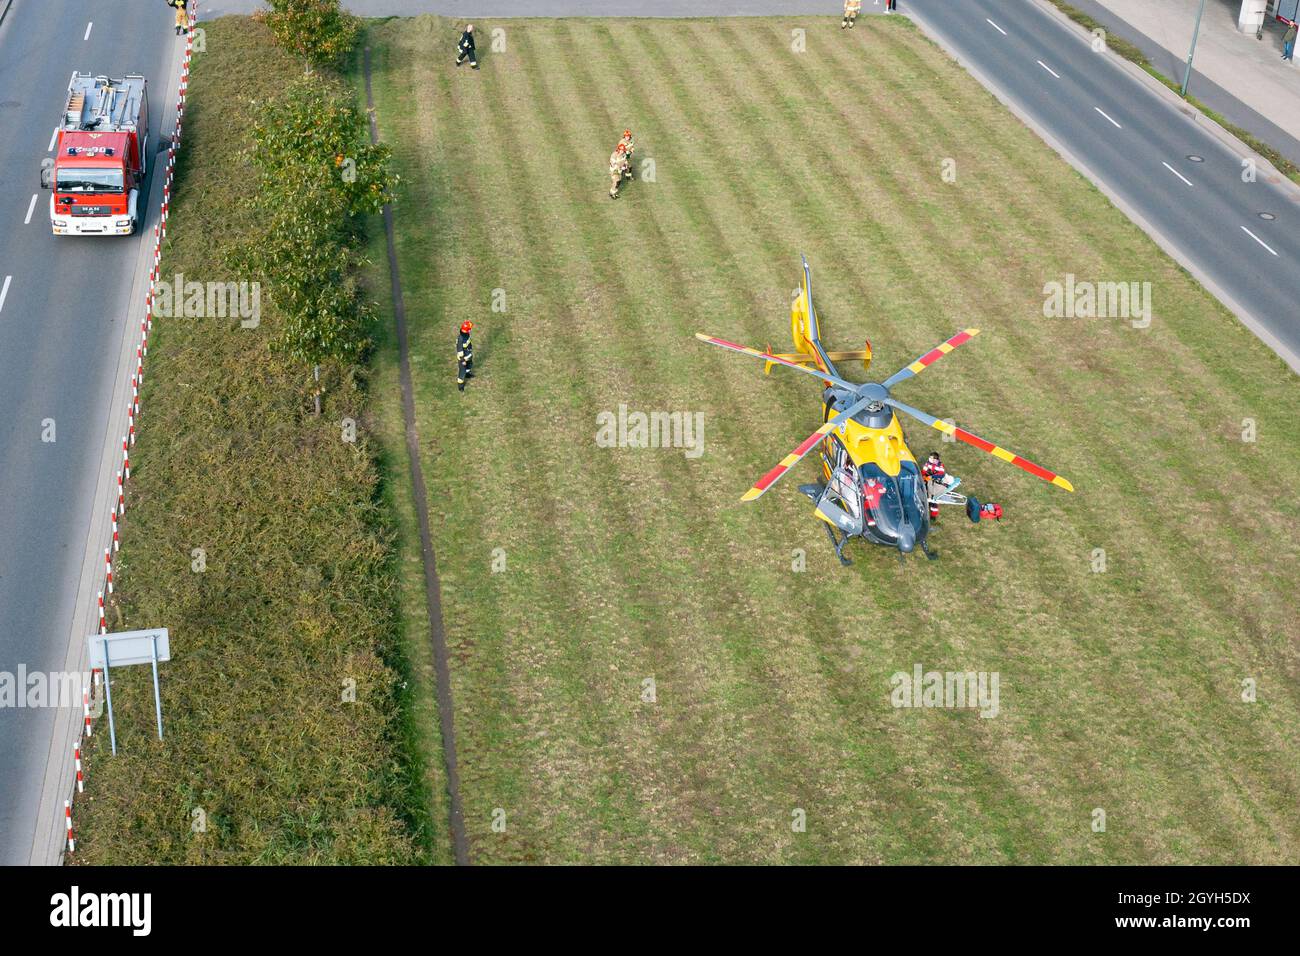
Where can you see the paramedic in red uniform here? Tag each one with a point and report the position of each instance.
(871, 492)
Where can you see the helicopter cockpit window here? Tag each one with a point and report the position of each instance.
(888, 511)
(909, 484)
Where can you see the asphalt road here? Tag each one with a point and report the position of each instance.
(69, 305)
(1202, 87)
(1138, 144)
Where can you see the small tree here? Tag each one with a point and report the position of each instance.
(319, 31)
(314, 130)
(317, 172)
(302, 254)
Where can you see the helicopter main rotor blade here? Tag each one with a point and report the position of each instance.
(807, 445)
(930, 357)
(996, 450)
(769, 357)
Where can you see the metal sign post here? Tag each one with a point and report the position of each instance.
(157, 698)
(108, 693)
(130, 647)
(1196, 32)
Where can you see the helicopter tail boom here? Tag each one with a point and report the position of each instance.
(806, 331)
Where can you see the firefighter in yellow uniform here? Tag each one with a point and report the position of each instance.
(182, 16)
(628, 146)
(617, 165)
(851, 10)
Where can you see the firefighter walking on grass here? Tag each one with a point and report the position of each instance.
(851, 10)
(464, 356)
(618, 167)
(465, 48)
(182, 15)
(628, 146)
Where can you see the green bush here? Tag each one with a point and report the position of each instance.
(316, 30)
(317, 174)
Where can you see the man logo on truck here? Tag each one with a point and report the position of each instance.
(101, 157)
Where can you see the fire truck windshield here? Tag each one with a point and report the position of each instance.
(89, 181)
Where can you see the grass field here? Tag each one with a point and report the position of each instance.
(260, 539)
(1120, 690)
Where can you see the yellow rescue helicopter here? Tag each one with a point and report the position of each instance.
(872, 486)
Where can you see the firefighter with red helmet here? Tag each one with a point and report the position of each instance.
(618, 165)
(464, 355)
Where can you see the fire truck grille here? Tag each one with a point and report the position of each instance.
(90, 210)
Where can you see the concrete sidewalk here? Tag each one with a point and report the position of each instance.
(1243, 79)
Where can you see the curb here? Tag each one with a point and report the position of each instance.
(1167, 245)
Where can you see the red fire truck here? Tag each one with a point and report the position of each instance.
(101, 157)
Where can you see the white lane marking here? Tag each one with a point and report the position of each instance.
(1103, 113)
(4, 291)
(1049, 69)
(30, 209)
(88, 26)
(53, 137)
(995, 26)
(1243, 229)
(1176, 172)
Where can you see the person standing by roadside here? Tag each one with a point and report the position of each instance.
(1288, 43)
(182, 15)
(851, 10)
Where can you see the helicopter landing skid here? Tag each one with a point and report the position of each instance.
(839, 546)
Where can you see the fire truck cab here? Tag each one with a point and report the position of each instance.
(101, 158)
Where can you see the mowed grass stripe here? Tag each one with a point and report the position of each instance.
(574, 177)
(587, 664)
(923, 780)
(428, 198)
(510, 735)
(630, 356)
